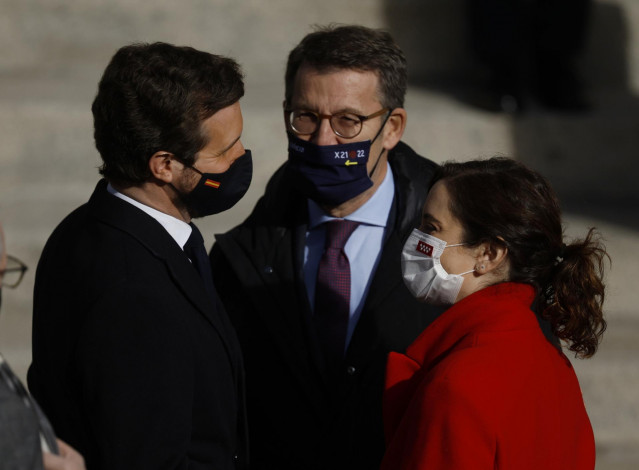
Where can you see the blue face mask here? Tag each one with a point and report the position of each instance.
(329, 174)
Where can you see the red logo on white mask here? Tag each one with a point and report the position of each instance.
(425, 248)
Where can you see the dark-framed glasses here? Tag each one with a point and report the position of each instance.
(11, 275)
(344, 124)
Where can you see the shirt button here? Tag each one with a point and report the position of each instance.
(268, 270)
(350, 370)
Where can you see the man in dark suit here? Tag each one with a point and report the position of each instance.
(312, 279)
(134, 359)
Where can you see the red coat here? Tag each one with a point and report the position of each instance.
(482, 388)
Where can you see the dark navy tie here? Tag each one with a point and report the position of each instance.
(194, 249)
(333, 292)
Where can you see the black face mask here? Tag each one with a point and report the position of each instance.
(217, 192)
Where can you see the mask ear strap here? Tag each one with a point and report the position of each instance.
(374, 139)
(379, 157)
(186, 165)
(456, 244)
(194, 169)
(382, 127)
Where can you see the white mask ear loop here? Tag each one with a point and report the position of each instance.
(461, 244)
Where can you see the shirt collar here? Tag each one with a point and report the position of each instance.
(373, 212)
(178, 229)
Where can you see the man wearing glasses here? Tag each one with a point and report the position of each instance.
(24, 430)
(312, 279)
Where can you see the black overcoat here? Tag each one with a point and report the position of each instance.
(133, 362)
(298, 419)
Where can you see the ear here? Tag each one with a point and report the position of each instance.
(491, 257)
(394, 128)
(163, 166)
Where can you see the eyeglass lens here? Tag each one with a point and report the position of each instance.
(12, 273)
(343, 124)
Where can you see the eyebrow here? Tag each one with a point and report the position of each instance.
(429, 218)
(223, 151)
(342, 110)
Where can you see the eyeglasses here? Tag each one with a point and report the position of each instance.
(346, 125)
(13, 272)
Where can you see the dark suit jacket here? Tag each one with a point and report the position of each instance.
(135, 365)
(298, 419)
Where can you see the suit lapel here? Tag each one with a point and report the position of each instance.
(315, 349)
(278, 295)
(144, 228)
(386, 278)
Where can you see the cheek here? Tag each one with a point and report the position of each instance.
(455, 262)
(377, 147)
(221, 166)
(218, 165)
(187, 181)
(448, 261)
(374, 154)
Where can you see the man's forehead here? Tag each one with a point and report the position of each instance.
(332, 70)
(336, 83)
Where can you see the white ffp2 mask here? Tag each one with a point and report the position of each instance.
(423, 272)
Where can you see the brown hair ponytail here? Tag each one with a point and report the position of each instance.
(575, 295)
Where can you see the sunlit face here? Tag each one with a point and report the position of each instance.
(222, 131)
(438, 221)
(334, 91)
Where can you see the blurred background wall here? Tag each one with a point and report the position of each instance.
(52, 54)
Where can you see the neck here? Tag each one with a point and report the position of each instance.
(159, 196)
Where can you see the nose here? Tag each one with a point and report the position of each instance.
(324, 134)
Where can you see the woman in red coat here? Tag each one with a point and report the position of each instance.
(486, 385)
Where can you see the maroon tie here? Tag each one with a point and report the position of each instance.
(333, 292)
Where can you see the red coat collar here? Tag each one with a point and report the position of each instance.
(494, 308)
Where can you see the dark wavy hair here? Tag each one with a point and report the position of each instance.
(154, 97)
(357, 48)
(503, 202)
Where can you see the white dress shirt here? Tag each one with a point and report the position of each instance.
(179, 230)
